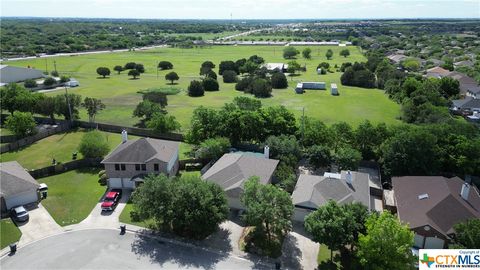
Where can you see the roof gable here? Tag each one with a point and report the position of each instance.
(14, 179)
(142, 151)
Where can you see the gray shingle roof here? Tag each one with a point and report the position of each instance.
(233, 169)
(142, 150)
(14, 179)
(313, 190)
(444, 206)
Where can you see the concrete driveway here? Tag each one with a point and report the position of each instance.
(100, 219)
(40, 225)
(298, 250)
(107, 249)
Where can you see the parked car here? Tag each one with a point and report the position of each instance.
(111, 200)
(20, 214)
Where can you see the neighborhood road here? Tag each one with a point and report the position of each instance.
(107, 249)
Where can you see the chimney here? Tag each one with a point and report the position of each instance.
(266, 152)
(124, 136)
(348, 178)
(465, 191)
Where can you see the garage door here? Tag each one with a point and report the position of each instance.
(127, 183)
(418, 241)
(434, 243)
(115, 183)
(21, 199)
(299, 214)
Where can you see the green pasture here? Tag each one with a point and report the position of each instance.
(119, 92)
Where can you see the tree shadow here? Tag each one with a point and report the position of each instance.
(102, 78)
(161, 252)
(291, 254)
(134, 78)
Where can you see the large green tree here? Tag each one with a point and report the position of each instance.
(21, 123)
(386, 244)
(162, 123)
(64, 102)
(268, 208)
(307, 53)
(467, 234)
(213, 148)
(103, 71)
(290, 52)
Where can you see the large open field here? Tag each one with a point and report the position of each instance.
(120, 95)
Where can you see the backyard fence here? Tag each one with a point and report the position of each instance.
(64, 167)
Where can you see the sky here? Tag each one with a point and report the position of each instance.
(242, 9)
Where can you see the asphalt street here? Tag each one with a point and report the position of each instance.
(107, 249)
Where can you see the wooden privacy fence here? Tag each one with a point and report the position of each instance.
(64, 167)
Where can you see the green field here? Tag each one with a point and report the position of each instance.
(72, 195)
(119, 93)
(9, 233)
(61, 146)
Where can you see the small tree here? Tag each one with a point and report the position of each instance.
(195, 89)
(46, 106)
(261, 88)
(134, 73)
(164, 65)
(345, 53)
(147, 109)
(210, 84)
(140, 68)
(21, 123)
(213, 148)
(269, 209)
(329, 54)
(163, 123)
(226, 65)
(54, 73)
(172, 76)
(118, 69)
(206, 67)
(279, 80)
(211, 74)
(103, 71)
(130, 65)
(93, 145)
(229, 76)
(386, 235)
(64, 79)
(93, 106)
(49, 81)
(293, 66)
(29, 83)
(290, 52)
(306, 53)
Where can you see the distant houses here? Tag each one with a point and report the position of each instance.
(271, 67)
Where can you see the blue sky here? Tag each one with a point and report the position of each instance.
(242, 9)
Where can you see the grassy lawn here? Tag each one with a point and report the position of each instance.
(323, 258)
(125, 217)
(119, 92)
(58, 146)
(9, 233)
(72, 195)
(5, 131)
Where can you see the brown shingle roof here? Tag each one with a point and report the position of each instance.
(142, 150)
(444, 206)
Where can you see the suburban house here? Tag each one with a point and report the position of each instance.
(232, 170)
(467, 104)
(17, 186)
(473, 92)
(465, 63)
(437, 72)
(432, 205)
(397, 58)
(313, 191)
(132, 160)
(466, 82)
(11, 74)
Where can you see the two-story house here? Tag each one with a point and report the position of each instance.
(132, 160)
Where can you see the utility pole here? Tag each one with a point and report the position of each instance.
(55, 65)
(68, 104)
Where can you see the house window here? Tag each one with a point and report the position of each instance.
(144, 167)
(137, 167)
(117, 167)
(122, 166)
(156, 167)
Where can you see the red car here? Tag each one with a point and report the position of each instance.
(111, 200)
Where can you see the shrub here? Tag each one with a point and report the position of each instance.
(244, 84)
(210, 84)
(195, 89)
(64, 79)
(93, 145)
(279, 80)
(54, 73)
(29, 83)
(49, 81)
(130, 65)
(140, 68)
(229, 76)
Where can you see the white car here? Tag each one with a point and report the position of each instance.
(20, 214)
